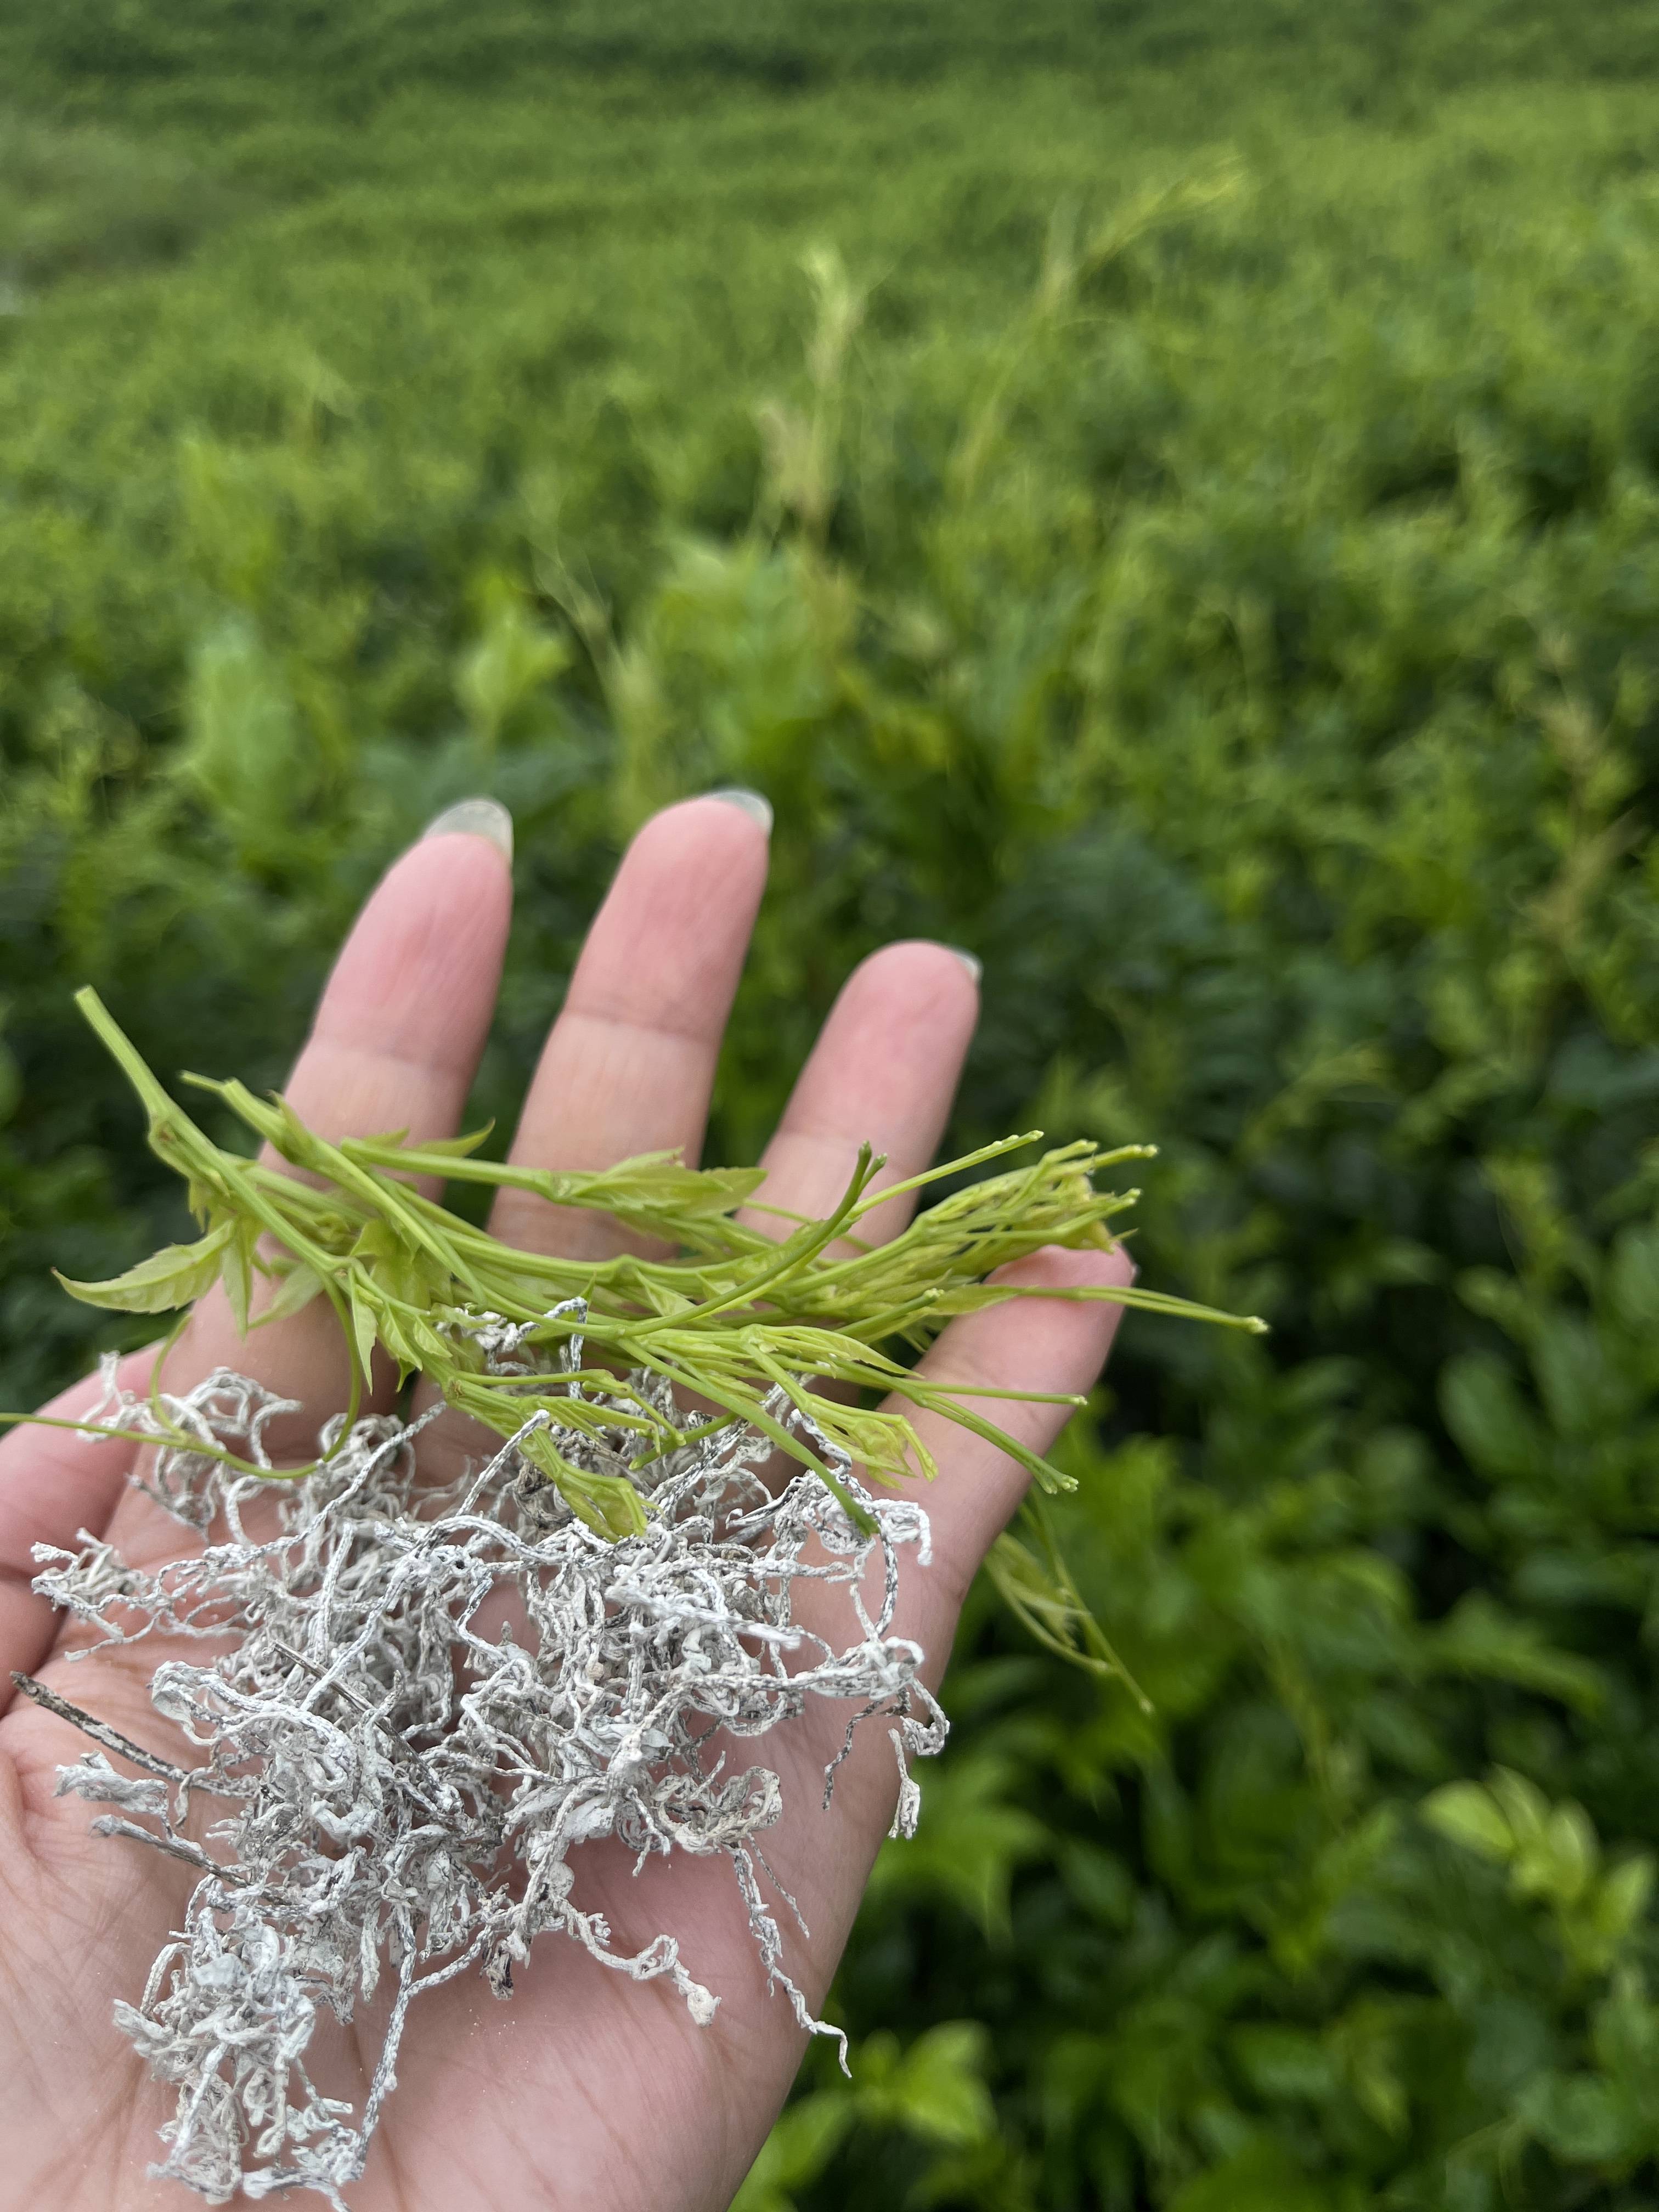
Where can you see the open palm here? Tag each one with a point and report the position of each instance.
(587, 2088)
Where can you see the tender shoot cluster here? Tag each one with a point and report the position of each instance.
(737, 1319)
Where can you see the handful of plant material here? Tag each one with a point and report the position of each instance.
(740, 1319)
(413, 1702)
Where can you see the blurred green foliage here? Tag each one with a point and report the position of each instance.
(1163, 497)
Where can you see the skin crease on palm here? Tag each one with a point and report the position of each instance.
(586, 2088)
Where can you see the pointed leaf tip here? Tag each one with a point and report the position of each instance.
(176, 1275)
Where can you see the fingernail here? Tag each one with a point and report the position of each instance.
(750, 802)
(967, 960)
(475, 818)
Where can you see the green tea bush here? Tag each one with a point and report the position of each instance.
(1199, 552)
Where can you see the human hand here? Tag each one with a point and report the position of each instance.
(587, 2088)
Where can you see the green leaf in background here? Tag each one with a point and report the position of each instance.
(245, 750)
(1470, 1816)
(933, 2091)
(513, 657)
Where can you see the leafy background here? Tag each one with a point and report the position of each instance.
(1165, 496)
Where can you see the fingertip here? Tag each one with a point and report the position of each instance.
(475, 818)
(416, 978)
(948, 962)
(754, 803)
(710, 832)
(919, 999)
(459, 885)
(452, 864)
(666, 948)
(677, 916)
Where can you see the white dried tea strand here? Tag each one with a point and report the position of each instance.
(399, 1793)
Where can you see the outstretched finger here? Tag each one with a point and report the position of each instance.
(883, 1073)
(395, 1044)
(628, 1065)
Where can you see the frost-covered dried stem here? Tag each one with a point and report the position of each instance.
(403, 1789)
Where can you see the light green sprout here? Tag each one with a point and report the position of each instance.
(735, 1317)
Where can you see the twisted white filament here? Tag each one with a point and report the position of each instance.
(403, 1793)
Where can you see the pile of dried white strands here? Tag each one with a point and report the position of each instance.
(413, 1704)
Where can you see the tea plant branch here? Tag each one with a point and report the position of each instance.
(99, 1731)
(1035, 1585)
(735, 1316)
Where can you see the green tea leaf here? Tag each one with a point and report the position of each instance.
(365, 1335)
(238, 1272)
(1466, 1814)
(300, 1286)
(175, 1276)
